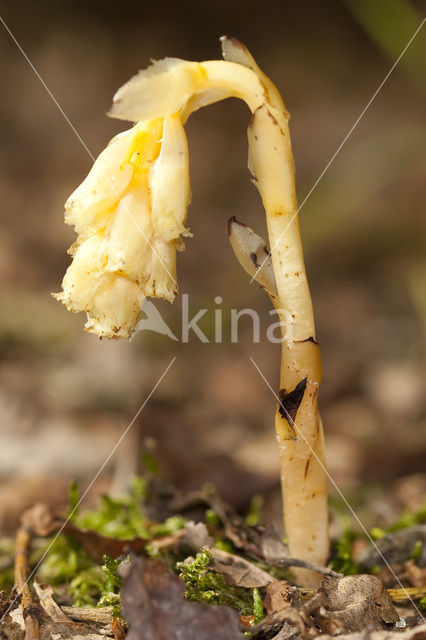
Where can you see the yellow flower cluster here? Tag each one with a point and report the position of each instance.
(129, 215)
(129, 212)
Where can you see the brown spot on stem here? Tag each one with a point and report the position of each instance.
(233, 220)
(308, 462)
(253, 258)
(290, 402)
(310, 339)
(273, 118)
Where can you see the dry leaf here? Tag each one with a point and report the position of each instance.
(355, 603)
(155, 609)
(414, 633)
(237, 571)
(280, 595)
(396, 547)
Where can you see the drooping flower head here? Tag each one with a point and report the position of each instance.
(129, 213)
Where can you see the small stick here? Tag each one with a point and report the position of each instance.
(311, 566)
(30, 611)
(396, 595)
(101, 615)
(118, 629)
(413, 593)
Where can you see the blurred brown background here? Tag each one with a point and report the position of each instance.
(66, 397)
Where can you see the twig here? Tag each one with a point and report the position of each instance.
(101, 615)
(397, 595)
(312, 566)
(30, 611)
(415, 593)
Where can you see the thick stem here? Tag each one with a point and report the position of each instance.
(297, 423)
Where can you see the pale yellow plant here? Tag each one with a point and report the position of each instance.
(130, 213)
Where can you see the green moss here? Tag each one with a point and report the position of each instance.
(123, 517)
(112, 580)
(224, 545)
(417, 551)
(343, 560)
(255, 510)
(7, 580)
(408, 520)
(111, 593)
(257, 606)
(74, 498)
(150, 463)
(422, 604)
(203, 585)
(118, 517)
(212, 518)
(64, 561)
(87, 587)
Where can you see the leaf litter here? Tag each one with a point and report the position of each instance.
(157, 563)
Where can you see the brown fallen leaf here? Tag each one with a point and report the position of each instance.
(289, 622)
(237, 571)
(280, 594)
(41, 521)
(55, 623)
(415, 575)
(395, 547)
(414, 633)
(153, 604)
(354, 603)
(197, 536)
(118, 629)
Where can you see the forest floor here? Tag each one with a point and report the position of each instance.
(157, 563)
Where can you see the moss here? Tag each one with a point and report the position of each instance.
(74, 499)
(6, 580)
(118, 517)
(204, 585)
(257, 606)
(343, 560)
(417, 551)
(408, 520)
(64, 561)
(255, 510)
(87, 587)
(224, 545)
(212, 518)
(123, 517)
(111, 593)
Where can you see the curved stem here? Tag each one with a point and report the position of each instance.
(297, 424)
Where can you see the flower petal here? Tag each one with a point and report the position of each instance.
(169, 182)
(160, 90)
